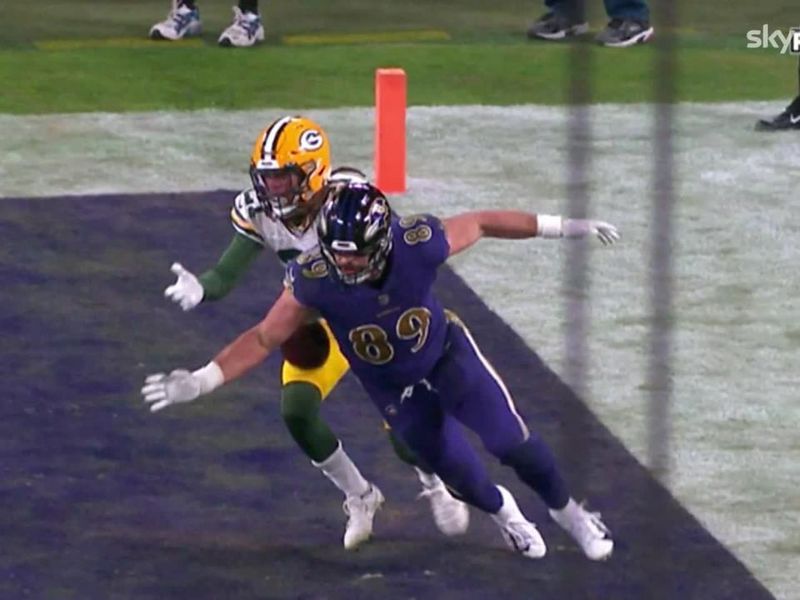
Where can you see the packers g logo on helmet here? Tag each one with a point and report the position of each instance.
(311, 140)
(296, 147)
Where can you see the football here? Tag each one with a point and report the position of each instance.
(308, 348)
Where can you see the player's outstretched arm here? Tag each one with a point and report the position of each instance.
(237, 358)
(254, 345)
(231, 266)
(467, 228)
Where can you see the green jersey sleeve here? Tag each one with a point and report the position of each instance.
(230, 267)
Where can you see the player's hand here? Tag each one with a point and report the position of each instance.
(581, 228)
(161, 390)
(187, 290)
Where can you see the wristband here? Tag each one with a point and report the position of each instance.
(209, 377)
(549, 226)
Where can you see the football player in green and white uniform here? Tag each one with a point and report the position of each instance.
(289, 167)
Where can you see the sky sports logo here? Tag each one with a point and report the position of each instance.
(764, 38)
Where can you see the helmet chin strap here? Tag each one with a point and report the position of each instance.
(373, 273)
(301, 218)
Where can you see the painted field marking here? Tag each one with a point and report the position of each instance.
(386, 37)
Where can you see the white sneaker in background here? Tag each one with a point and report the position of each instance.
(181, 22)
(246, 30)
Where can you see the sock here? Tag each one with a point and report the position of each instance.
(343, 473)
(535, 465)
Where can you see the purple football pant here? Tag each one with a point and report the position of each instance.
(463, 388)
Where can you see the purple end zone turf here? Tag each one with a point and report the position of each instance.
(101, 499)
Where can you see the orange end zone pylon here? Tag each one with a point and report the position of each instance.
(390, 130)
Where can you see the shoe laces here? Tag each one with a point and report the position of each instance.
(352, 504)
(246, 20)
(519, 534)
(438, 498)
(592, 522)
(180, 17)
(356, 504)
(431, 489)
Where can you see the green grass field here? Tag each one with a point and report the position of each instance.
(86, 57)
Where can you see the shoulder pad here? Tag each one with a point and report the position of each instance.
(245, 207)
(312, 264)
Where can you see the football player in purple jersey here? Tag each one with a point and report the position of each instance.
(371, 278)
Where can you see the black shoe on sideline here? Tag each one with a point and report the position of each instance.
(788, 119)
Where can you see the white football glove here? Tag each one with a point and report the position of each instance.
(187, 290)
(581, 228)
(161, 390)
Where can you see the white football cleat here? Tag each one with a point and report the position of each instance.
(520, 534)
(360, 511)
(586, 528)
(450, 514)
(181, 22)
(246, 30)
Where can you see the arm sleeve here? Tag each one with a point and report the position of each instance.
(233, 263)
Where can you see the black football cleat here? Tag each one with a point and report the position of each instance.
(788, 119)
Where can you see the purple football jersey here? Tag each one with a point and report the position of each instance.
(392, 334)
